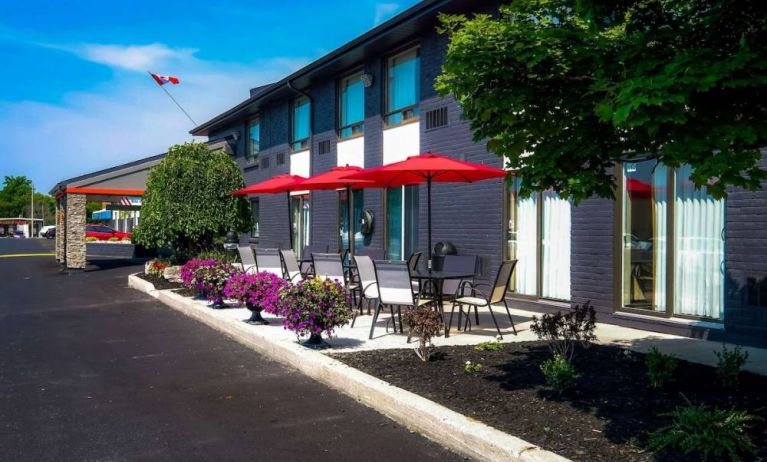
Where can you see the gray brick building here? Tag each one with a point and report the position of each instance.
(661, 257)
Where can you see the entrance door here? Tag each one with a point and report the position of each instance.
(401, 222)
(300, 209)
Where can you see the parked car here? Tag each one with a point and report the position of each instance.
(104, 233)
(48, 232)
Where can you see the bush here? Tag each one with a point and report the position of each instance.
(188, 201)
(91, 239)
(471, 368)
(660, 367)
(565, 332)
(559, 373)
(114, 239)
(425, 323)
(263, 290)
(156, 268)
(730, 364)
(316, 305)
(220, 255)
(207, 277)
(492, 345)
(710, 433)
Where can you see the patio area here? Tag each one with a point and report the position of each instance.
(350, 339)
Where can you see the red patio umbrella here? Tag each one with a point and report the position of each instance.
(278, 184)
(338, 178)
(428, 168)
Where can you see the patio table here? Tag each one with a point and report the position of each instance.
(438, 278)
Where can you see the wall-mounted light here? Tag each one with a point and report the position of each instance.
(367, 80)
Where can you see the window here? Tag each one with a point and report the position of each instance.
(403, 87)
(401, 222)
(436, 118)
(343, 219)
(254, 138)
(538, 237)
(301, 118)
(672, 243)
(256, 218)
(351, 106)
(323, 147)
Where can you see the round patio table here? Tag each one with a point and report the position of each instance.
(438, 278)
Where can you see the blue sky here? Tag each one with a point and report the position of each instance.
(75, 96)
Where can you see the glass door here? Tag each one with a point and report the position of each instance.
(343, 219)
(401, 222)
(300, 209)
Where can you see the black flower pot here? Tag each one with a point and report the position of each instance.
(315, 341)
(255, 317)
(218, 304)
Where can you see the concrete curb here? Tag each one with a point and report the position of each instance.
(438, 423)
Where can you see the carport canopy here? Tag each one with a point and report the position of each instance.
(108, 185)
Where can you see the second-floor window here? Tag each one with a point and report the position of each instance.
(254, 138)
(351, 106)
(301, 116)
(402, 87)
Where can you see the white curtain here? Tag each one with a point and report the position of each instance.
(699, 245)
(527, 255)
(659, 244)
(555, 243)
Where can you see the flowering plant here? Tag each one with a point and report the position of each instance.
(207, 277)
(156, 268)
(316, 305)
(261, 291)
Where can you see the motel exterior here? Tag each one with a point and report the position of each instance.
(662, 256)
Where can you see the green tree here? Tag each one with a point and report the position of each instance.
(565, 89)
(188, 201)
(15, 196)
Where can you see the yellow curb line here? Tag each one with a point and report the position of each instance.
(28, 255)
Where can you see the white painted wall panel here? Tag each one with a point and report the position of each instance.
(401, 142)
(351, 152)
(300, 164)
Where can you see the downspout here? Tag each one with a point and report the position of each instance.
(311, 145)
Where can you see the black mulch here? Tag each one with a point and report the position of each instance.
(164, 284)
(606, 417)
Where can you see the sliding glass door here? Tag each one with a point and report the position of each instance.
(343, 219)
(401, 222)
(300, 209)
(538, 237)
(672, 243)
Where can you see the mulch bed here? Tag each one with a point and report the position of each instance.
(160, 283)
(606, 417)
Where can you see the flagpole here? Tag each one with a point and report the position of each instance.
(162, 87)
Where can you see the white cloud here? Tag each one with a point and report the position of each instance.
(128, 117)
(383, 11)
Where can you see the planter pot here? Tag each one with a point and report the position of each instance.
(255, 317)
(218, 304)
(315, 341)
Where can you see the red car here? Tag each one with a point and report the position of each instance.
(104, 233)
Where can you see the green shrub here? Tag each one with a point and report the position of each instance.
(710, 433)
(660, 367)
(470, 367)
(492, 345)
(114, 239)
(91, 239)
(220, 255)
(730, 364)
(559, 373)
(565, 332)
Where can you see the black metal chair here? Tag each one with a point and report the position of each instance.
(290, 266)
(394, 290)
(306, 264)
(460, 264)
(269, 260)
(330, 266)
(496, 294)
(412, 264)
(247, 258)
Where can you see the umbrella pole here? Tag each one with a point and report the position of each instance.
(350, 213)
(428, 208)
(290, 222)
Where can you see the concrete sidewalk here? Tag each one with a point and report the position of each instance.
(348, 339)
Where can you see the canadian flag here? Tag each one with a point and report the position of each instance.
(163, 79)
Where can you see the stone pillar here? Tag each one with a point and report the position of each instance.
(61, 230)
(75, 233)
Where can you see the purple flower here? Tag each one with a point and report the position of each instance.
(314, 306)
(207, 276)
